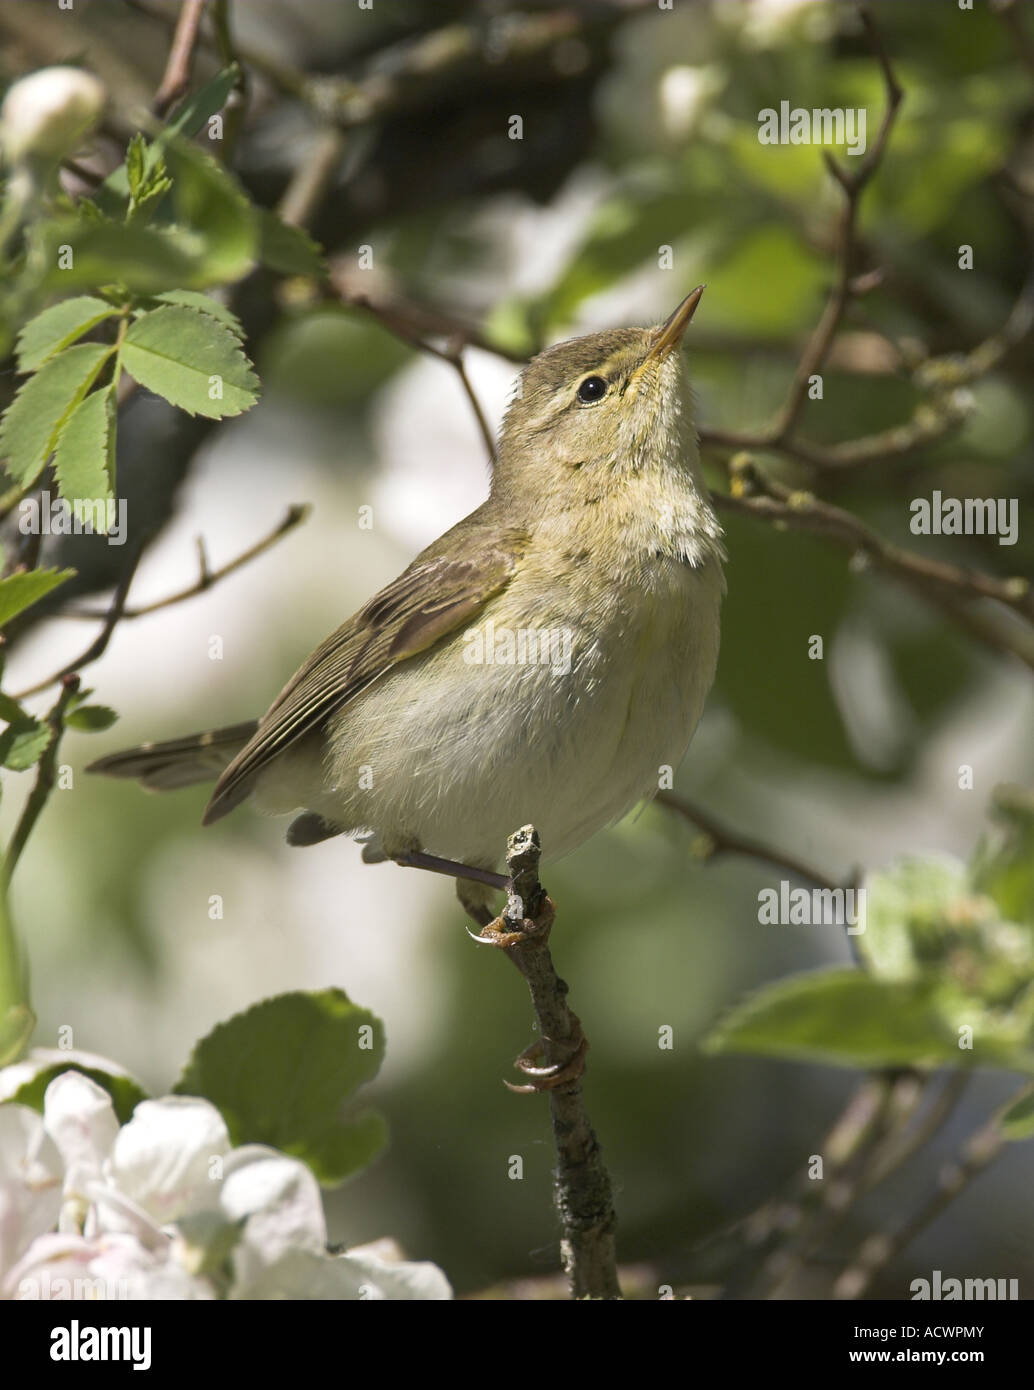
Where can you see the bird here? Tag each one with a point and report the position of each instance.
(544, 661)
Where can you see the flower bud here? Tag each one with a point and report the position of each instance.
(47, 114)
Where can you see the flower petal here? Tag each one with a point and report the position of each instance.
(163, 1159)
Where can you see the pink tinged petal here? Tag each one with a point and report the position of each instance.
(31, 1174)
(168, 1159)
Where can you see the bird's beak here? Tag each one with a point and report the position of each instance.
(669, 335)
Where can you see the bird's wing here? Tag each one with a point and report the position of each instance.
(437, 593)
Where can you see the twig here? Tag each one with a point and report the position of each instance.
(582, 1187)
(853, 183)
(756, 494)
(853, 1135)
(176, 78)
(416, 69)
(118, 610)
(874, 1254)
(206, 577)
(237, 103)
(44, 783)
(99, 645)
(410, 321)
(397, 320)
(313, 178)
(725, 841)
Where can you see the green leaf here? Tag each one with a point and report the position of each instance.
(185, 357)
(847, 1018)
(205, 304)
(125, 1091)
(59, 326)
(91, 718)
(136, 153)
(35, 418)
(1017, 1120)
(11, 710)
(288, 250)
(281, 1073)
(185, 122)
(23, 743)
(209, 201)
(86, 254)
(84, 461)
(188, 119)
(21, 591)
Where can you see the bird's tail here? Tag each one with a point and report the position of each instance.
(179, 762)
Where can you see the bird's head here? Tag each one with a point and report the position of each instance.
(608, 404)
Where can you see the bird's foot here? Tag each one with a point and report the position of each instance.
(506, 931)
(569, 1067)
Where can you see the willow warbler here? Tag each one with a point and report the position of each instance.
(541, 662)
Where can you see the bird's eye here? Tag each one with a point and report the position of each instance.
(593, 388)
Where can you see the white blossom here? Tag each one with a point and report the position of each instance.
(164, 1207)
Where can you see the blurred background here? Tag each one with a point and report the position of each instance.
(639, 133)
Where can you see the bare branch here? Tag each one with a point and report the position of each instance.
(853, 183)
(979, 1151)
(754, 493)
(581, 1182)
(295, 515)
(721, 840)
(410, 324)
(99, 645)
(176, 79)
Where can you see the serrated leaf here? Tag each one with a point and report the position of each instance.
(58, 327)
(91, 718)
(22, 744)
(83, 460)
(288, 250)
(186, 356)
(148, 199)
(185, 122)
(281, 1073)
(1017, 1120)
(205, 304)
(847, 1018)
(21, 591)
(34, 419)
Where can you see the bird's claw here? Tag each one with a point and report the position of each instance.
(502, 933)
(570, 1068)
